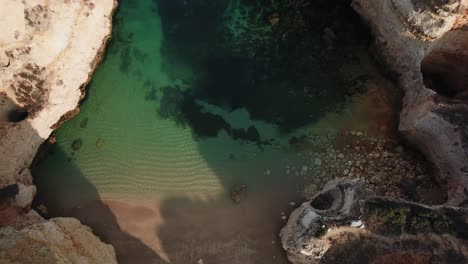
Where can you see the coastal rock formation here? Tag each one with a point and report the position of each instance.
(337, 202)
(423, 44)
(60, 240)
(345, 223)
(48, 51)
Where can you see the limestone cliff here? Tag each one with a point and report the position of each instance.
(48, 51)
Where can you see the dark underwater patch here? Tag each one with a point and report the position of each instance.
(181, 107)
(286, 73)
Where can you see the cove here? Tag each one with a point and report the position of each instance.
(195, 97)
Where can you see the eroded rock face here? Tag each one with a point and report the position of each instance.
(423, 44)
(60, 240)
(48, 51)
(345, 223)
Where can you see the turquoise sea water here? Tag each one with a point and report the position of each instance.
(194, 97)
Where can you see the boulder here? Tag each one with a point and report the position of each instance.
(345, 223)
(58, 241)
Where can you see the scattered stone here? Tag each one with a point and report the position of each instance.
(84, 123)
(292, 203)
(76, 144)
(100, 143)
(318, 161)
(356, 224)
(52, 139)
(42, 210)
(238, 193)
(340, 156)
(274, 19)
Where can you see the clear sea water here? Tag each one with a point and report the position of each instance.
(194, 97)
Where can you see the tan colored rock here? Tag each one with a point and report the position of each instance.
(48, 51)
(60, 240)
(25, 195)
(423, 44)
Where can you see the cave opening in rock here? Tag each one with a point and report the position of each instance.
(10, 111)
(325, 200)
(17, 115)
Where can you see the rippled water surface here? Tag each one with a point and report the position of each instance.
(194, 97)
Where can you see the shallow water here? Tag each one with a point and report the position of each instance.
(196, 97)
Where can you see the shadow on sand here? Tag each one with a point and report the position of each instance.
(174, 230)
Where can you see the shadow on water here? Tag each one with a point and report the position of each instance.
(287, 78)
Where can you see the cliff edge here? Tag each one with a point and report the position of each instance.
(48, 52)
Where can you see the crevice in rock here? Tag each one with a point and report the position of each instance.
(445, 68)
(325, 200)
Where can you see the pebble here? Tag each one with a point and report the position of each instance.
(292, 203)
(318, 161)
(359, 134)
(356, 223)
(283, 217)
(340, 156)
(268, 172)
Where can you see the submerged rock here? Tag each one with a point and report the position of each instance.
(84, 123)
(100, 143)
(76, 144)
(239, 193)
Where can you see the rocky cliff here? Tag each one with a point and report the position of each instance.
(423, 44)
(48, 51)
